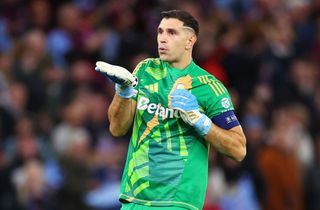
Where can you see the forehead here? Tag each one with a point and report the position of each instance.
(170, 23)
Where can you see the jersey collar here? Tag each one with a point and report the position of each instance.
(179, 72)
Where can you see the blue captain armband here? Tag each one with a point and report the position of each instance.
(226, 120)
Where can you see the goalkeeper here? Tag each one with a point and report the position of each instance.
(178, 110)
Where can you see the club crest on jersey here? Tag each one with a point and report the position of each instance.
(225, 103)
(156, 109)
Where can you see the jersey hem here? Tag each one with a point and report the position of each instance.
(156, 203)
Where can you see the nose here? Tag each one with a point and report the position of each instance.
(162, 38)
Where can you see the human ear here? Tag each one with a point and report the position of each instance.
(190, 42)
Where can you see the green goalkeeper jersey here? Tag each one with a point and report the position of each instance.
(167, 161)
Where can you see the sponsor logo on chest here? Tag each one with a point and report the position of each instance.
(158, 109)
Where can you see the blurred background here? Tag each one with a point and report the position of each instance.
(55, 149)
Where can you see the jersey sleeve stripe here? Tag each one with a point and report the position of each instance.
(207, 79)
(200, 79)
(222, 88)
(218, 88)
(214, 90)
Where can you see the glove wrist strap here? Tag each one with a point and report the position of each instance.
(203, 125)
(125, 91)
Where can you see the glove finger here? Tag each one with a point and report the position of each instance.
(180, 92)
(116, 79)
(179, 109)
(104, 73)
(178, 104)
(108, 72)
(111, 76)
(187, 105)
(180, 99)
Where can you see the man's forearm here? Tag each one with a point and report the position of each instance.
(120, 114)
(229, 142)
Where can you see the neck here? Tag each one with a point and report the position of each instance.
(181, 64)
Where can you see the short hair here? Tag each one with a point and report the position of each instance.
(185, 17)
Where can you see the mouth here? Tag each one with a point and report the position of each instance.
(162, 50)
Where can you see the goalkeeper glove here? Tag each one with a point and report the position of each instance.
(186, 103)
(125, 81)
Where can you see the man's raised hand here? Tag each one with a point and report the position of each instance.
(125, 81)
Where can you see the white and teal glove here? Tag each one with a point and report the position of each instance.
(187, 104)
(124, 80)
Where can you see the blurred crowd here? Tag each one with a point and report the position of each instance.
(55, 148)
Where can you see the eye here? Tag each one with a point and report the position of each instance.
(160, 31)
(172, 32)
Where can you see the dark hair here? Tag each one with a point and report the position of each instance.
(185, 17)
